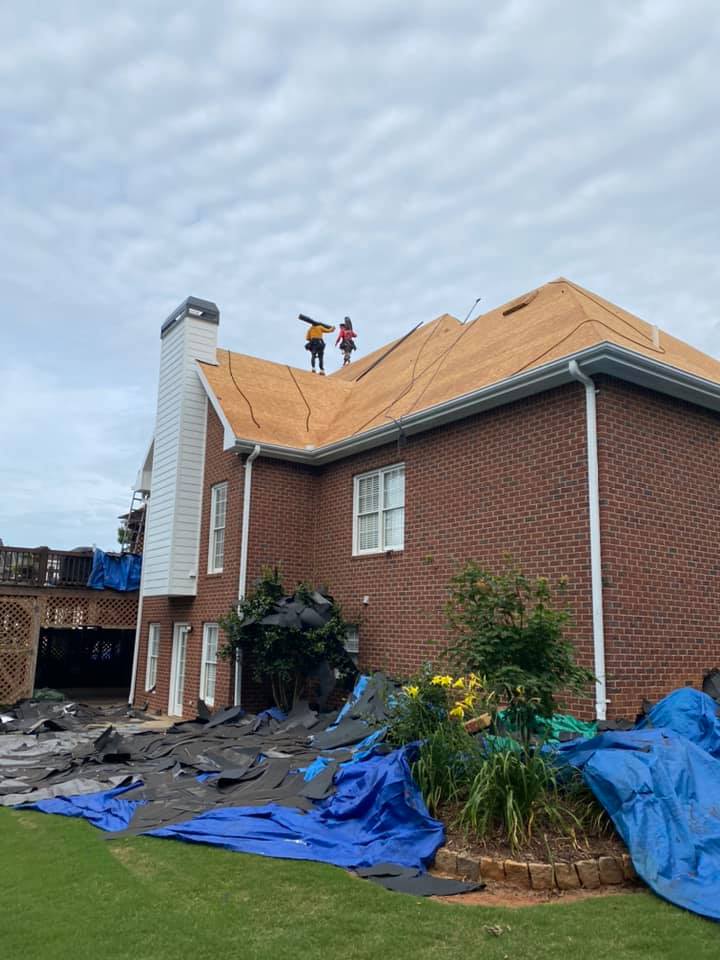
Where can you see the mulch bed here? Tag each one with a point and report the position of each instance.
(547, 845)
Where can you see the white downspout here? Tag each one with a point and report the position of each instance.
(138, 628)
(244, 534)
(595, 551)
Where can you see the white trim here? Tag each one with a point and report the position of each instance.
(208, 700)
(138, 628)
(242, 579)
(245, 527)
(380, 472)
(601, 700)
(213, 530)
(173, 699)
(229, 438)
(237, 678)
(150, 658)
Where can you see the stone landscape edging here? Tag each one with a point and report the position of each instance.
(589, 873)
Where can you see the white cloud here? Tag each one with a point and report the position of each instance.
(391, 161)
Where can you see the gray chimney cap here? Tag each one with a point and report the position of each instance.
(194, 307)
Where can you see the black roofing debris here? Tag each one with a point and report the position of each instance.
(50, 748)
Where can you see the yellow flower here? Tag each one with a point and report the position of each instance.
(459, 684)
(458, 711)
(469, 701)
(412, 691)
(473, 681)
(441, 681)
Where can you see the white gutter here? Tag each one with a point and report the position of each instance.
(242, 582)
(595, 551)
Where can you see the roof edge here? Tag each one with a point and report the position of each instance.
(605, 357)
(229, 438)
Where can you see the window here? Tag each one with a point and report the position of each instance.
(352, 642)
(379, 511)
(218, 510)
(153, 654)
(208, 669)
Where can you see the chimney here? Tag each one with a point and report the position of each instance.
(172, 540)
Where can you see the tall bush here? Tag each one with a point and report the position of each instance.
(509, 628)
(289, 636)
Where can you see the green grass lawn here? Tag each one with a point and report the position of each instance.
(65, 891)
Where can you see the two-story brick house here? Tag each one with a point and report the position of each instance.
(558, 429)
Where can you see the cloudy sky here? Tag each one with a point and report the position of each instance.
(390, 160)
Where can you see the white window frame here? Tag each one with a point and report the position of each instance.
(153, 655)
(215, 527)
(381, 510)
(207, 628)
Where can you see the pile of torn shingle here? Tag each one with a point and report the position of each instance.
(228, 759)
(57, 749)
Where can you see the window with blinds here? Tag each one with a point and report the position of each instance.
(208, 668)
(379, 510)
(218, 511)
(153, 655)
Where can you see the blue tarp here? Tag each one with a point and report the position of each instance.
(115, 572)
(375, 815)
(107, 810)
(660, 784)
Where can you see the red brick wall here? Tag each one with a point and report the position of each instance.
(510, 481)
(659, 487)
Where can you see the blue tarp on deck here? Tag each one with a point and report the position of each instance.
(115, 571)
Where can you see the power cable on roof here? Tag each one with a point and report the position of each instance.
(387, 352)
(614, 313)
(645, 346)
(232, 376)
(471, 310)
(415, 377)
(309, 411)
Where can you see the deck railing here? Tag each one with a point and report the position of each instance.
(42, 567)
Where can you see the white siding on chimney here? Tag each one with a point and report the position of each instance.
(172, 540)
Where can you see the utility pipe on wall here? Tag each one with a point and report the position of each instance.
(245, 530)
(138, 628)
(595, 551)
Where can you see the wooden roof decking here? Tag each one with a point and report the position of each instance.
(273, 403)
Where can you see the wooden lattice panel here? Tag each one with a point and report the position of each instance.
(15, 621)
(117, 611)
(16, 648)
(64, 611)
(15, 666)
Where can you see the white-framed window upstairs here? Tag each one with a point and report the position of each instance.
(218, 513)
(153, 655)
(208, 667)
(379, 510)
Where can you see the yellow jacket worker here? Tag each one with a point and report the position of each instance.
(314, 341)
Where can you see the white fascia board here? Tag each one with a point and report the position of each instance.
(144, 474)
(229, 438)
(603, 358)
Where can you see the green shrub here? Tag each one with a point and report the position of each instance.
(433, 709)
(286, 656)
(444, 766)
(516, 792)
(508, 628)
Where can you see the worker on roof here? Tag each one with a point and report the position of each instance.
(314, 341)
(346, 340)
